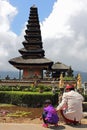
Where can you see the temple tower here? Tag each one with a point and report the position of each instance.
(32, 60)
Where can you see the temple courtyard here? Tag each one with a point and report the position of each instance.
(28, 118)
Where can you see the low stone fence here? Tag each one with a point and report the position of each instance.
(29, 82)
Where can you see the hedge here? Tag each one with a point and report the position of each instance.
(29, 99)
(85, 97)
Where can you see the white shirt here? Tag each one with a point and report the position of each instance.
(73, 100)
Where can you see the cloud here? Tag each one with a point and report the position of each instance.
(8, 39)
(64, 33)
(7, 12)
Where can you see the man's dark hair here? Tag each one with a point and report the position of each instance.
(48, 101)
(72, 88)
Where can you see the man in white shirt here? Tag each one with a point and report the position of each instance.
(71, 106)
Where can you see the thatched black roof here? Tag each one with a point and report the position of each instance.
(21, 60)
(60, 66)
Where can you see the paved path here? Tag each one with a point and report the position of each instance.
(21, 126)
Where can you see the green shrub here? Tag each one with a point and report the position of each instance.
(26, 88)
(85, 97)
(30, 99)
(69, 78)
(5, 88)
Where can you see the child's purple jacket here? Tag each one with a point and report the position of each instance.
(51, 114)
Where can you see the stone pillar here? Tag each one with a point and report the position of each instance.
(19, 74)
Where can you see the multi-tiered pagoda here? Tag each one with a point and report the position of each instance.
(32, 60)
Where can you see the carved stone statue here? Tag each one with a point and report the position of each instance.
(61, 81)
(79, 81)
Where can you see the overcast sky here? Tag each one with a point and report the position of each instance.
(64, 33)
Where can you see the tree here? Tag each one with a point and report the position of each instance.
(70, 72)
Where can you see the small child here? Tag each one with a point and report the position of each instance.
(49, 114)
